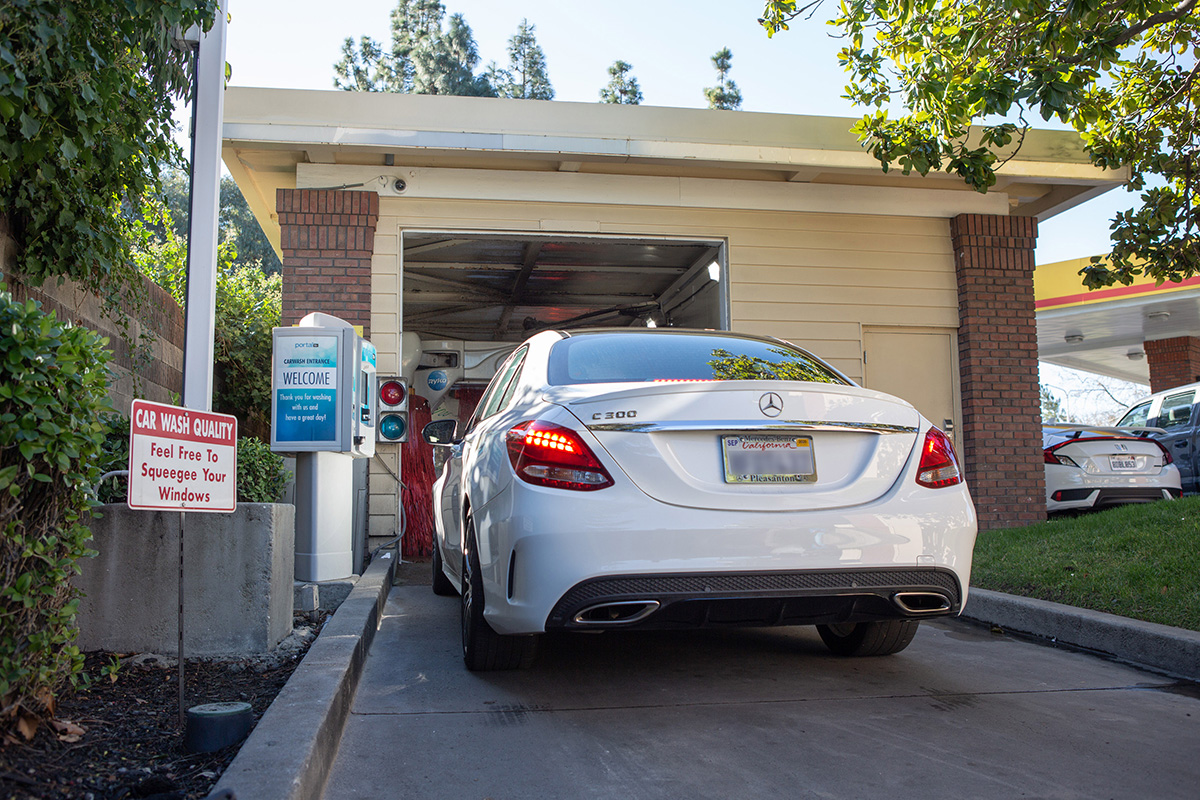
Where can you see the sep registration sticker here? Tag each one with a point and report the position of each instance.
(768, 459)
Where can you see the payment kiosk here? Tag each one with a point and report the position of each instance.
(323, 409)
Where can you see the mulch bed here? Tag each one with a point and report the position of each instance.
(132, 743)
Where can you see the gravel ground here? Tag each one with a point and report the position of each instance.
(122, 739)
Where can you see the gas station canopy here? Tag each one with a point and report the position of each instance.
(1104, 331)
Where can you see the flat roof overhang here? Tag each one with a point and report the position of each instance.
(1104, 331)
(270, 133)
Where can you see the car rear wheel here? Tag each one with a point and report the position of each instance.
(483, 648)
(880, 638)
(441, 584)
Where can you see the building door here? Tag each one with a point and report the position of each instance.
(919, 365)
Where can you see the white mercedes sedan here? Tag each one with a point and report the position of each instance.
(669, 478)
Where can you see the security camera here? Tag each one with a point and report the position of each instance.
(399, 186)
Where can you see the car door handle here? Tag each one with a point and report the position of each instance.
(1182, 443)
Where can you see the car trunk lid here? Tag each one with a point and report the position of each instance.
(750, 445)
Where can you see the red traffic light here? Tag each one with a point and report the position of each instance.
(392, 393)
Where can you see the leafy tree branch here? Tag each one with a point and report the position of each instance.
(946, 80)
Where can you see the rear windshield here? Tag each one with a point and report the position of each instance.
(622, 357)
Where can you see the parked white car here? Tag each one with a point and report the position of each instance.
(670, 478)
(1096, 467)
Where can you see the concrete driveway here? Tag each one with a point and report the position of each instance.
(757, 713)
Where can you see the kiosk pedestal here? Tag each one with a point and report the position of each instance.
(324, 516)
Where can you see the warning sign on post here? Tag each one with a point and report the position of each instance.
(181, 459)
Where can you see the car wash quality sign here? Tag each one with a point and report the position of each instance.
(181, 459)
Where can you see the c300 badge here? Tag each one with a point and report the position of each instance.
(614, 415)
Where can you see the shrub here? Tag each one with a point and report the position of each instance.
(249, 305)
(260, 473)
(53, 395)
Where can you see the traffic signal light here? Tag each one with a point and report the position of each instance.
(392, 420)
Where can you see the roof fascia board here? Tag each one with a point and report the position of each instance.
(639, 190)
(565, 131)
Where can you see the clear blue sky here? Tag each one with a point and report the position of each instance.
(294, 44)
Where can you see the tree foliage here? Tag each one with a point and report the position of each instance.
(1122, 74)
(1052, 410)
(249, 304)
(622, 87)
(725, 95)
(426, 57)
(235, 221)
(87, 89)
(53, 396)
(525, 78)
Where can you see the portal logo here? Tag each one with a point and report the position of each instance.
(438, 380)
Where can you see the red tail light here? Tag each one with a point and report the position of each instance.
(546, 454)
(939, 466)
(1167, 459)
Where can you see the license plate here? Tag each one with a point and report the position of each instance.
(1121, 462)
(768, 459)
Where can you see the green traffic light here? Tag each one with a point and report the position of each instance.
(392, 427)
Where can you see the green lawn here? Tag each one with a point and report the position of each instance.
(1140, 561)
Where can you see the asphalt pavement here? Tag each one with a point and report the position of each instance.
(963, 712)
(968, 710)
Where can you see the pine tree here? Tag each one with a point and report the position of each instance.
(526, 76)
(725, 95)
(361, 68)
(424, 58)
(622, 87)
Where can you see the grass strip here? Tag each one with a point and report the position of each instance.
(1140, 561)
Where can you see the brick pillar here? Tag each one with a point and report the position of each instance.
(328, 237)
(1173, 362)
(998, 365)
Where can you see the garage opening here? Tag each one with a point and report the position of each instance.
(506, 287)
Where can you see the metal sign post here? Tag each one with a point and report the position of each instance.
(181, 460)
(182, 703)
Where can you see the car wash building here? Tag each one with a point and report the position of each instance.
(451, 228)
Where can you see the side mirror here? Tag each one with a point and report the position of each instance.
(440, 433)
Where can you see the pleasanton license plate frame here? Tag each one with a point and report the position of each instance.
(771, 459)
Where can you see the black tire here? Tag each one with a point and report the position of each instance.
(441, 584)
(483, 648)
(880, 638)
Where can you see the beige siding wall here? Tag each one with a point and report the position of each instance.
(813, 279)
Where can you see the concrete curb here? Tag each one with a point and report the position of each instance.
(1171, 650)
(289, 754)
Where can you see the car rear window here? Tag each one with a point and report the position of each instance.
(670, 356)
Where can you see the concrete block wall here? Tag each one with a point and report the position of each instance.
(1173, 362)
(152, 374)
(238, 581)
(998, 363)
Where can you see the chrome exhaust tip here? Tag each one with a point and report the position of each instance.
(621, 613)
(921, 602)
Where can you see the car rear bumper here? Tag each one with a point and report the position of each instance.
(771, 598)
(1065, 499)
(548, 556)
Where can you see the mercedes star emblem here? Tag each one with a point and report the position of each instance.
(770, 404)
